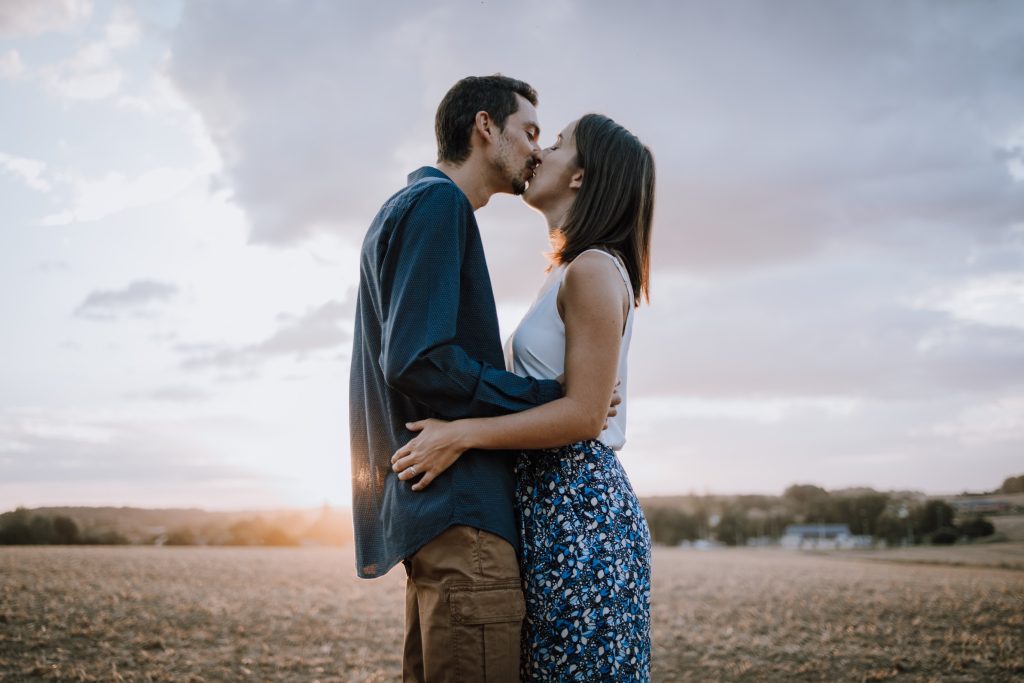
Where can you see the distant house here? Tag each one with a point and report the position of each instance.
(981, 505)
(822, 536)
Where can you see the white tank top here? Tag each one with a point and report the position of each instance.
(537, 347)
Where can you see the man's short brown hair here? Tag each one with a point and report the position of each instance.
(456, 114)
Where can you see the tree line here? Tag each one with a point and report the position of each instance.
(882, 516)
(21, 527)
(733, 521)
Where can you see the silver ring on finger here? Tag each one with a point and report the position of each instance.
(412, 468)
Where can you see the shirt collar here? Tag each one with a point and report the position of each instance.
(426, 172)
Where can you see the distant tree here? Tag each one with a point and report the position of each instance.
(1012, 485)
(977, 527)
(65, 530)
(946, 535)
(891, 528)
(183, 536)
(733, 527)
(805, 493)
(671, 526)
(860, 512)
(257, 531)
(932, 516)
(809, 503)
(42, 530)
(109, 537)
(15, 528)
(277, 536)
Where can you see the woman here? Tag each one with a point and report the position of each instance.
(585, 545)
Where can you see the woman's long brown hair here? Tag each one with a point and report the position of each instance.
(615, 204)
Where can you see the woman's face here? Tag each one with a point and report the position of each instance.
(553, 181)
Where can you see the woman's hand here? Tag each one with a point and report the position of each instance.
(437, 446)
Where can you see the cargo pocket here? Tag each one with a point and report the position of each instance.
(487, 618)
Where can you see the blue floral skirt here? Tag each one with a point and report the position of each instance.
(586, 567)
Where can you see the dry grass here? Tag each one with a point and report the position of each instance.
(227, 614)
(993, 555)
(1011, 526)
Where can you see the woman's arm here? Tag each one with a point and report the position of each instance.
(593, 303)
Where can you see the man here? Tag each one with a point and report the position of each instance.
(427, 345)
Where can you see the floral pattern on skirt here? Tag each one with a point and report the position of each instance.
(586, 567)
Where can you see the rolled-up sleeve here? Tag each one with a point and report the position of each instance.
(421, 277)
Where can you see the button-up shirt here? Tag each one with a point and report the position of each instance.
(426, 344)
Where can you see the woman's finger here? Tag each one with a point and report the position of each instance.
(403, 464)
(416, 426)
(401, 453)
(424, 482)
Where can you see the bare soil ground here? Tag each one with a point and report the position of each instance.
(289, 614)
(994, 555)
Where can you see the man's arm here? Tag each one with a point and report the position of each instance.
(420, 282)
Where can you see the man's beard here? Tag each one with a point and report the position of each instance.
(520, 183)
(518, 186)
(515, 178)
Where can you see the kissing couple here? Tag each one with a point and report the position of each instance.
(491, 473)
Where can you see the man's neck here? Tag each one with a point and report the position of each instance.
(471, 179)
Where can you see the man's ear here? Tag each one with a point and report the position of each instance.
(576, 182)
(484, 125)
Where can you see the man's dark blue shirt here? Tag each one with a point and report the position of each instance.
(427, 345)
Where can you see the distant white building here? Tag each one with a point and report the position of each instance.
(823, 537)
(702, 544)
(978, 506)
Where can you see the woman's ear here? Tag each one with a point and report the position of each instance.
(576, 182)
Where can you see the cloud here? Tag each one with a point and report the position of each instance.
(32, 17)
(888, 444)
(997, 421)
(123, 28)
(848, 325)
(95, 199)
(857, 123)
(52, 265)
(11, 66)
(136, 298)
(90, 74)
(93, 71)
(319, 329)
(175, 394)
(334, 162)
(56, 447)
(995, 299)
(95, 457)
(29, 171)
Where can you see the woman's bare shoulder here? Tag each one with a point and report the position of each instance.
(593, 276)
(594, 263)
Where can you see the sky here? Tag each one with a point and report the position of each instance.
(837, 290)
